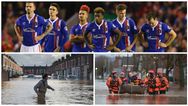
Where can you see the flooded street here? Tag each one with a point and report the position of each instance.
(20, 91)
(102, 97)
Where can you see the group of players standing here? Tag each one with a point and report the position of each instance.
(36, 34)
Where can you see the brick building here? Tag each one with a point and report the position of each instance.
(79, 66)
(36, 70)
(10, 68)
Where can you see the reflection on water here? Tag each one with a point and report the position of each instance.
(20, 91)
(102, 97)
(140, 99)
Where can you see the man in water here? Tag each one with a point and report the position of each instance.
(41, 87)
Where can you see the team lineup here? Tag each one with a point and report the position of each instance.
(36, 34)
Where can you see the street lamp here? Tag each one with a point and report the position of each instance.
(96, 71)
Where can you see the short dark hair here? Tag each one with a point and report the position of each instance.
(183, 9)
(31, 2)
(121, 7)
(151, 15)
(56, 5)
(44, 76)
(99, 10)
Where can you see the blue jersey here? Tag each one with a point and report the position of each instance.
(128, 29)
(154, 35)
(57, 37)
(31, 28)
(78, 30)
(101, 35)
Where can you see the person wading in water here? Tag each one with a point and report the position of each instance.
(41, 87)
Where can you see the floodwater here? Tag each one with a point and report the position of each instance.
(20, 91)
(103, 97)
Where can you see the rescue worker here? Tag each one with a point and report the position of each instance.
(123, 78)
(153, 83)
(130, 74)
(124, 83)
(41, 87)
(113, 82)
(164, 83)
(135, 80)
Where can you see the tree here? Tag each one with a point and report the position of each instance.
(180, 61)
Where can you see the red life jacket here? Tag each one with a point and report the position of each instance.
(114, 82)
(114, 85)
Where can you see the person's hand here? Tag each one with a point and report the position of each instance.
(117, 49)
(145, 44)
(37, 93)
(128, 49)
(20, 39)
(53, 89)
(39, 37)
(112, 93)
(91, 46)
(75, 37)
(110, 47)
(163, 45)
(57, 49)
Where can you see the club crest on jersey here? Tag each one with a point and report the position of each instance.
(147, 30)
(93, 30)
(23, 23)
(128, 29)
(76, 30)
(113, 25)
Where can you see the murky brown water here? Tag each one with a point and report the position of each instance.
(20, 91)
(102, 97)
